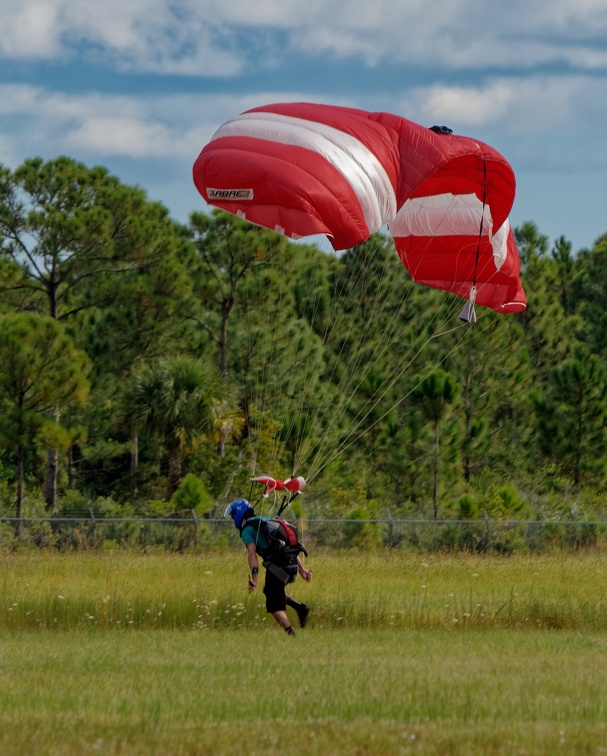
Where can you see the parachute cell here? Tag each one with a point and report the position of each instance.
(304, 169)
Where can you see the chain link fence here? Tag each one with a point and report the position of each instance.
(178, 534)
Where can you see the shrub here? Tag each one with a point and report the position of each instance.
(192, 496)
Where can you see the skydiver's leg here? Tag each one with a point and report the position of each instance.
(284, 622)
(276, 605)
(302, 610)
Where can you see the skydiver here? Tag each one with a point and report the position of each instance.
(277, 599)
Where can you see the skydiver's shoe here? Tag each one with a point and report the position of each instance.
(303, 615)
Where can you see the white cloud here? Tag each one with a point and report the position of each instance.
(523, 112)
(118, 135)
(471, 106)
(30, 29)
(514, 106)
(142, 35)
(214, 37)
(93, 125)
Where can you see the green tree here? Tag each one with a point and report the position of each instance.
(532, 245)
(173, 399)
(192, 496)
(571, 416)
(228, 250)
(590, 295)
(73, 231)
(434, 395)
(565, 270)
(492, 367)
(41, 369)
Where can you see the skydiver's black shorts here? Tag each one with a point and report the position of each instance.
(274, 591)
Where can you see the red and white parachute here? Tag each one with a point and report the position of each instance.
(304, 169)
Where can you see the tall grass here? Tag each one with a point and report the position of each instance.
(118, 589)
(121, 653)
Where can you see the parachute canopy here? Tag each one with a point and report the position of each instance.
(304, 169)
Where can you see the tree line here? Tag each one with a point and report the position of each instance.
(152, 367)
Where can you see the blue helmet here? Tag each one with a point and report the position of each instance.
(237, 510)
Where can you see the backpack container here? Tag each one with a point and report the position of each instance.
(280, 557)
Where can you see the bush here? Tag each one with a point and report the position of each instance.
(359, 533)
(192, 496)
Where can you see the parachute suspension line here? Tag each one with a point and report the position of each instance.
(282, 368)
(253, 402)
(263, 347)
(400, 369)
(307, 366)
(311, 360)
(404, 365)
(326, 415)
(310, 460)
(260, 338)
(314, 417)
(353, 437)
(363, 414)
(348, 377)
(468, 313)
(350, 386)
(354, 374)
(276, 371)
(309, 407)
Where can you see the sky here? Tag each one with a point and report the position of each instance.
(140, 86)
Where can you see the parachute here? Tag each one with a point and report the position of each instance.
(305, 169)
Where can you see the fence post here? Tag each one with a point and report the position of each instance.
(195, 530)
(92, 529)
(487, 531)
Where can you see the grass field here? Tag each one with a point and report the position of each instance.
(167, 654)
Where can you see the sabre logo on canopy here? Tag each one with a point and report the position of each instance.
(230, 194)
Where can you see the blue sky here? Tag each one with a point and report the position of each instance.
(139, 86)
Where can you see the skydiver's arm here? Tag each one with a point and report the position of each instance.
(253, 566)
(306, 574)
